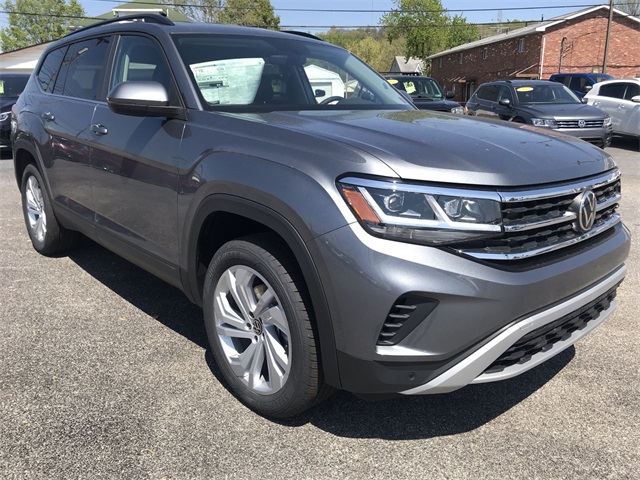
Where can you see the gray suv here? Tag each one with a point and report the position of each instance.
(343, 241)
(543, 104)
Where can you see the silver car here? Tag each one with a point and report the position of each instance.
(621, 100)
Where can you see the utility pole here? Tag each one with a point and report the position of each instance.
(606, 42)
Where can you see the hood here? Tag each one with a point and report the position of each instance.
(563, 110)
(442, 105)
(428, 146)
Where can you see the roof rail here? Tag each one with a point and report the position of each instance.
(141, 17)
(303, 34)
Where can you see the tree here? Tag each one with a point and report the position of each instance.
(426, 27)
(32, 22)
(253, 13)
(199, 10)
(628, 6)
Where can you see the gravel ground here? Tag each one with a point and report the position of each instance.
(105, 373)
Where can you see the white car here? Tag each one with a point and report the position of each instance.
(619, 98)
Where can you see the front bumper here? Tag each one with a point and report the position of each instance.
(482, 309)
(598, 136)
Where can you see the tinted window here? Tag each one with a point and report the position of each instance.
(545, 93)
(84, 66)
(505, 93)
(615, 90)
(141, 59)
(633, 90)
(489, 92)
(49, 69)
(12, 85)
(579, 84)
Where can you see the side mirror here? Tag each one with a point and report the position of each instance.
(505, 102)
(449, 94)
(142, 99)
(636, 99)
(584, 100)
(319, 93)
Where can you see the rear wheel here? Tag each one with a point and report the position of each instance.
(260, 327)
(47, 235)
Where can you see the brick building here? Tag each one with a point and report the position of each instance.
(570, 43)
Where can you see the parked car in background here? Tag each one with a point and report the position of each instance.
(11, 86)
(543, 104)
(580, 83)
(621, 100)
(348, 241)
(426, 93)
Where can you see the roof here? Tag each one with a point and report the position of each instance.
(403, 65)
(529, 29)
(23, 59)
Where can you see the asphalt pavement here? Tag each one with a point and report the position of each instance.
(105, 373)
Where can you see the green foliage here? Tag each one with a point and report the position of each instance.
(253, 13)
(426, 27)
(199, 10)
(37, 21)
(627, 6)
(370, 44)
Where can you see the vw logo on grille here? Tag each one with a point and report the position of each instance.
(581, 123)
(584, 207)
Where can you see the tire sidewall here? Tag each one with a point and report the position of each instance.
(240, 253)
(43, 245)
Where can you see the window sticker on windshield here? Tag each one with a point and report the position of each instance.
(524, 89)
(392, 81)
(1, 87)
(229, 82)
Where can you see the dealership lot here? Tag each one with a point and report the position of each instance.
(105, 373)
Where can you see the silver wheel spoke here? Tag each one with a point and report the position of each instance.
(275, 316)
(252, 329)
(238, 287)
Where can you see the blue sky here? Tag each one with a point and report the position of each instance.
(370, 11)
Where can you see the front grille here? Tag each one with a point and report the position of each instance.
(574, 124)
(543, 338)
(541, 221)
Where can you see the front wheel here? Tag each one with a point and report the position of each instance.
(47, 235)
(260, 327)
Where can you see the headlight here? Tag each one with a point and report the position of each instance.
(422, 214)
(544, 122)
(607, 121)
(4, 116)
(457, 110)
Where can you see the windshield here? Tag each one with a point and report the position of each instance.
(419, 87)
(547, 93)
(12, 85)
(251, 73)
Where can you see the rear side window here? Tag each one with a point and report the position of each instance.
(83, 69)
(49, 69)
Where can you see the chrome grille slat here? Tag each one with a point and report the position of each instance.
(541, 221)
(574, 124)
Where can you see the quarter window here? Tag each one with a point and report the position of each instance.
(49, 69)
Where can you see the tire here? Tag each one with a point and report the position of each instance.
(47, 235)
(260, 327)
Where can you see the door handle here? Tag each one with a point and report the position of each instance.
(99, 129)
(48, 116)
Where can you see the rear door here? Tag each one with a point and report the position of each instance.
(610, 98)
(66, 109)
(135, 160)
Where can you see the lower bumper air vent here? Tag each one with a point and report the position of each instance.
(405, 315)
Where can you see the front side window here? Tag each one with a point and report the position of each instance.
(234, 72)
(614, 90)
(490, 93)
(138, 59)
(82, 70)
(633, 90)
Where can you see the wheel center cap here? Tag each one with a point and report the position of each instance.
(257, 326)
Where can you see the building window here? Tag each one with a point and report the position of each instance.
(461, 57)
(440, 62)
(521, 45)
(485, 53)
